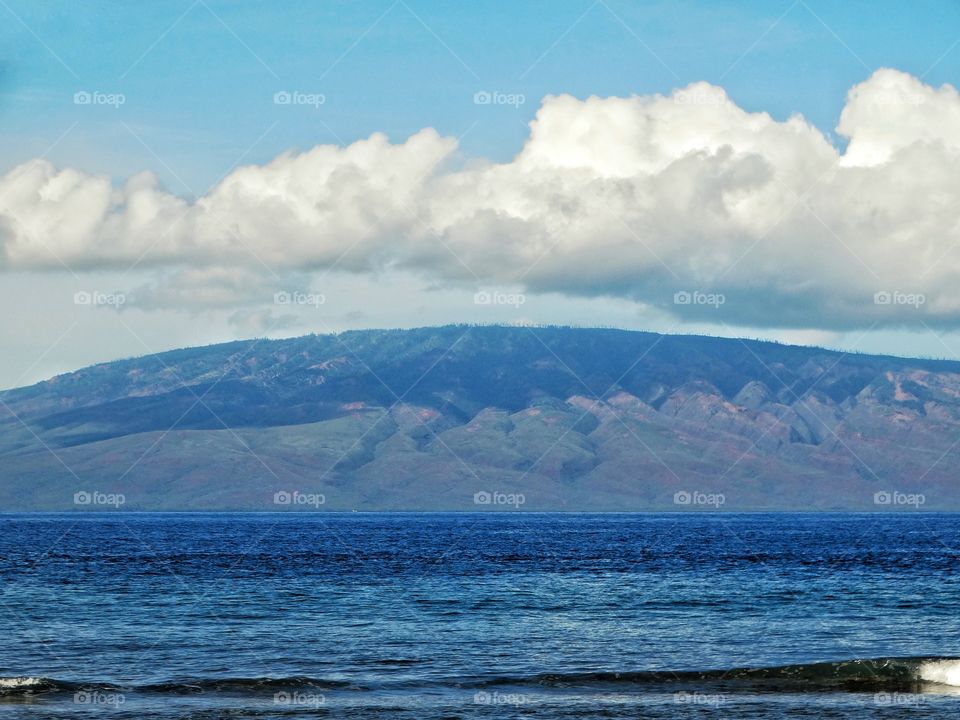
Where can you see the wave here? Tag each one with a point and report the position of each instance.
(860, 675)
(42, 685)
(254, 685)
(845, 675)
(25, 684)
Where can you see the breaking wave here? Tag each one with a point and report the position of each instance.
(860, 675)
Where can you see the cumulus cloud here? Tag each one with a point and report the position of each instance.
(684, 202)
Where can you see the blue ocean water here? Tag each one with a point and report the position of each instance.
(479, 615)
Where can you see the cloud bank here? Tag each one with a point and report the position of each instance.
(665, 200)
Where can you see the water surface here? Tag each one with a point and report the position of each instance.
(479, 615)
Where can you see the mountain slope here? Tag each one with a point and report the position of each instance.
(573, 419)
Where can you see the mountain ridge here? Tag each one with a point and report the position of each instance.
(569, 418)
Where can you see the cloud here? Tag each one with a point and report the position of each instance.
(250, 323)
(894, 111)
(684, 202)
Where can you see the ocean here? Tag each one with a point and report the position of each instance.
(500, 615)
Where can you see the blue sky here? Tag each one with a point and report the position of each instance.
(198, 80)
(199, 77)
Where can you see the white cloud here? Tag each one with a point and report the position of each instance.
(892, 111)
(637, 198)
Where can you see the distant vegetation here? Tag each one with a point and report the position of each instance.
(571, 419)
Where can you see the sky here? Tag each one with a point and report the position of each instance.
(183, 173)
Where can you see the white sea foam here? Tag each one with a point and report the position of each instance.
(941, 672)
(20, 683)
